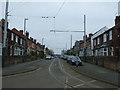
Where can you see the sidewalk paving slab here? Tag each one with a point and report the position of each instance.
(20, 68)
(99, 73)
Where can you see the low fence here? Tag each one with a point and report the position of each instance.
(19, 59)
(110, 62)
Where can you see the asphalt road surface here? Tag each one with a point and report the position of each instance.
(55, 73)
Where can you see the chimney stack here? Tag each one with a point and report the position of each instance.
(21, 32)
(84, 37)
(90, 35)
(27, 34)
(117, 20)
(34, 40)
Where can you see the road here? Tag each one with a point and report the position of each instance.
(54, 73)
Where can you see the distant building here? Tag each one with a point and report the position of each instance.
(77, 47)
(81, 52)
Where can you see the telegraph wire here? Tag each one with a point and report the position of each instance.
(60, 8)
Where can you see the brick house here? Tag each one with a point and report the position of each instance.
(16, 42)
(96, 41)
(76, 47)
(31, 45)
(107, 43)
(81, 52)
(88, 45)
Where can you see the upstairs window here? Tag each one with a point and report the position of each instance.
(12, 36)
(16, 38)
(110, 35)
(98, 40)
(104, 38)
(94, 41)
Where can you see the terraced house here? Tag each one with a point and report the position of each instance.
(106, 42)
(19, 44)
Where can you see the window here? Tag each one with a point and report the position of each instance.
(94, 42)
(17, 51)
(16, 38)
(12, 36)
(10, 50)
(105, 51)
(21, 51)
(110, 35)
(111, 51)
(104, 38)
(21, 41)
(98, 40)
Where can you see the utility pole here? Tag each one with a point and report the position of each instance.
(42, 40)
(66, 46)
(84, 38)
(4, 54)
(71, 42)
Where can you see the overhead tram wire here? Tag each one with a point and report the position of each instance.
(58, 13)
(60, 8)
(18, 6)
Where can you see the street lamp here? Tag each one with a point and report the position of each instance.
(25, 24)
(25, 37)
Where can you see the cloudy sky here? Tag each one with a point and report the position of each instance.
(69, 16)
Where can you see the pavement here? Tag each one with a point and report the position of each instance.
(98, 73)
(20, 68)
(87, 69)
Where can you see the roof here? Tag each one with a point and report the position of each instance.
(14, 30)
(99, 32)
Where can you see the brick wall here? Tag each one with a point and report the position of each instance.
(19, 59)
(110, 62)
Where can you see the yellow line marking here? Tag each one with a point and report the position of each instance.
(92, 81)
(84, 84)
(79, 85)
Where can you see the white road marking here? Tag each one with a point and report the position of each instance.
(52, 73)
(76, 77)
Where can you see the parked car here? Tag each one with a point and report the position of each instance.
(48, 57)
(65, 57)
(77, 61)
(69, 58)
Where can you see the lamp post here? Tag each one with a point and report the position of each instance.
(25, 38)
(25, 24)
(85, 38)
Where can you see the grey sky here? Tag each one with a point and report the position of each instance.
(70, 17)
